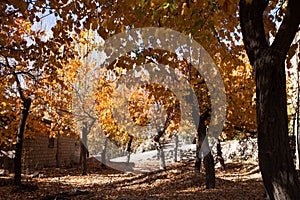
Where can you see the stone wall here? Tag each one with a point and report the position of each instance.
(44, 152)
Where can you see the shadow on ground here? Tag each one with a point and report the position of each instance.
(178, 181)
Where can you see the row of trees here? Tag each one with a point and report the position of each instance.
(39, 70)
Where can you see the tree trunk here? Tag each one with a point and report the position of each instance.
(296, 125)
(83, 149)
(298, 146)
(209, 165)
(162, 162)
(202, 143)
(209, 171)
(83, 159)
(275, 161)
(198, 156)
(58, 150)
(19, 143)
(219, 155)
(103, 153)
(128, 148)
(175, 148)
(160, 153)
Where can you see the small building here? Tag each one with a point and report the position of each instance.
(42, 151)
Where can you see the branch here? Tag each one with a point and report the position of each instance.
(288, 28)
(205, 115)
(20, 90)
(252, 26)
(91, 125)
(244, 130)
(241, 129)
(28, 74)
(82, 103)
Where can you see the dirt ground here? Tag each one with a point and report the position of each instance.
(178, 181)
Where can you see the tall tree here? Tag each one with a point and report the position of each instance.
(26, 102)
(268, 61)
(83, 108)
(31, 74)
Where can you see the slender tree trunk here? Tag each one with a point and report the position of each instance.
(209, 171)
(175, 159)
(198, 156)
(209, 165)
(83, 149)
(19, 143)
(58, 150)
(162, 162)
(160, 152)
(103, 153)
(128, 148)
(219, 155)
(298, 145)
(160, 146)
(296, 125)
(202, 143)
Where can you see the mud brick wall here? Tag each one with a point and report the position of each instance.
(69, 151)
(44, 152)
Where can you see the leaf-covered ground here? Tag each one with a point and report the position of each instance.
(178, 181)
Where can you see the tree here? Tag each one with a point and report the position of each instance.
(211, 23)
(32, 76)
(268, 61)
(83, 108)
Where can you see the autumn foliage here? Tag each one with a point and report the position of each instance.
(51, 84)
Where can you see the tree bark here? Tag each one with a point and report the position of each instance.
(275, 160)
(175, 159)
(297, 145)
(210, 179)
(83, 149)
(268, 61)
(58, 150)
(103, 153)
(162, 162)
(219, 155)
(198, 156)
(84, 153)
(19, 143)
(296, 125)
(209, 165)
(202, 143)
(128, 148)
